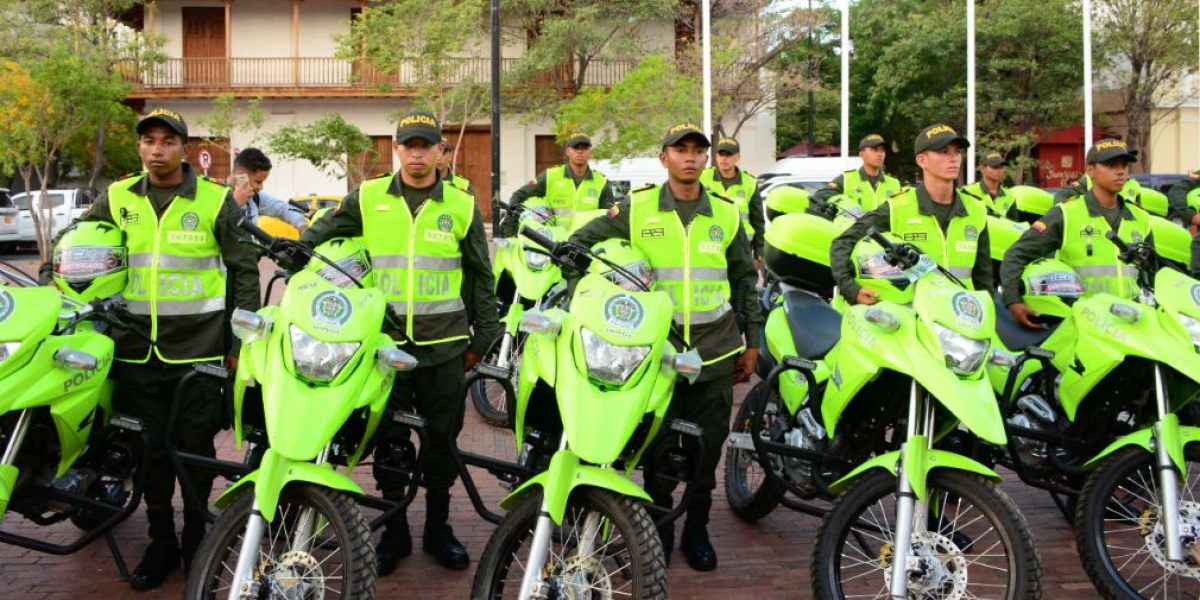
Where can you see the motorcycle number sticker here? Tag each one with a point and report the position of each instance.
(331, 308)
(6, 305)
(967, 309)
(624, 311)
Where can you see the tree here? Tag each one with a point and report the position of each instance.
(226, 118)
(45, 105)
(1150, 45)
(650, 98)
(330, 144)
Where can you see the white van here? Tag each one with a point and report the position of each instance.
(809, 173)
(65, 207)
(630, 174)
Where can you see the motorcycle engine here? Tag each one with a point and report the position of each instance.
(808, 435)
(1033, 412)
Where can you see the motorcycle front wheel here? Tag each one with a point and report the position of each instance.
(1120, 535)
(976, 543)
(751, 492)
(626, 558)
(319, 546)
(490, 398)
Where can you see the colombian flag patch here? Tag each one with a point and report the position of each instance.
(613, 212)
(1038, 226)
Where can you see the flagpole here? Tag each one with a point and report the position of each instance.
(706, 45)
(845, 84)
(1087, 74)
(970, 89)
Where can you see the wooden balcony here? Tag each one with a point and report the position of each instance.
(311, 77)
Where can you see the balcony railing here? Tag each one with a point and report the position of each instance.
(322, 73)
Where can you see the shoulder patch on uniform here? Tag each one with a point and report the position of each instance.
(1192, 175)
(614, 211)
(1075, 183)
(1038, 226)
(214, 180)
(380, 174)
(648, 186)
(128, 175)
(832, 185)
(533, 181)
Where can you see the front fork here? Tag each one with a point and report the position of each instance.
(1168, 476)
(532, 585)
(8, 470)
(910, 514)
(506, 340)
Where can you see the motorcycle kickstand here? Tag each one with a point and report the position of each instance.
(118, 558)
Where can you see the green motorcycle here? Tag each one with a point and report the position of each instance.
(292, 528)
(580, 528)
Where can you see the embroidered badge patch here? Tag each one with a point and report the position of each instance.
(967, 309)
(623, 311)
(331, 308)
(190, 221)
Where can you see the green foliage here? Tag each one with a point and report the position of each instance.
(649, 100)
(330, 144)
(226, 118)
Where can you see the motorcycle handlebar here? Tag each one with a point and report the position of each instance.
(881, 239)
(539, 239)
(248, 226)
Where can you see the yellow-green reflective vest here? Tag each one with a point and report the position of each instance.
(955, 250)
(869, 198)
(566, 199)
(1086, 248)
(689, 264)
(417, 260)
(997, 206)
(176, 276)
(739, 192)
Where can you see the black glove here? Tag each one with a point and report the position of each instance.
(290, 254)
(574, 255)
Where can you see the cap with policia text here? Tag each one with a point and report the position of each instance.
(419, 124)
(167, 118)
(728, 144)
(682, 131)
(871, 141)
(1106, 150)
(992, 159)
(578, 139)
(937, 137)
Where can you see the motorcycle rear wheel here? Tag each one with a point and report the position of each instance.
(337, 561)
(976, 545)
(626, 562)
(1119, 535)
(751, 492)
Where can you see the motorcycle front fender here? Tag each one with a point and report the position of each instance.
(918, 460)
(276, 472)
(1173, 435)
(564, 475)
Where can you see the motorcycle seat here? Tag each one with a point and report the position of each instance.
(1017, 337)
(815, 326)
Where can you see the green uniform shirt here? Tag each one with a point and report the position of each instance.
(241, 261)
(537, 189)
(1044, 238)
(881, 219)
(1177, 198)
(476, 291)
(743, 276)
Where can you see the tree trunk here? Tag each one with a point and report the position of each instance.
(98, 157)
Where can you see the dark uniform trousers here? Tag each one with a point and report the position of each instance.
(709, 404)
(436, 393)
(146, 391)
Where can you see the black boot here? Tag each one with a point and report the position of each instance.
(439, 539)
(394, 544)
(694, 542)
(161, 556)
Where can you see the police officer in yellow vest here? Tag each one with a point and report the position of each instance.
(695, 242)
(990, 188)
(181, 232)
(730, 181)
(445, 172)
(421, 228)
(868, 185)
(568, 189)
(1077, 229)
(948, 226)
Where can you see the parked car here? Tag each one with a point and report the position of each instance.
(309, 205)
(65, 206)
(9, 236)
(1159, 181)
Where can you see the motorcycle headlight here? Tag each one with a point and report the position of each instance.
(608, 363)
(8, 349)
(963, 354)
(1193, 328)
(536, 260)
(319, 361)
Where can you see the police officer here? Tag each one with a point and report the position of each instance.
(742, 188)
(1080, 185)
(868, 185)
(452, 295)
(251, 168)
(948, 226)
(567, 189)
(448, 174)
(990, 188)
(183, 229)
(1180, 210)
(1077, 229)
(695, 242)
